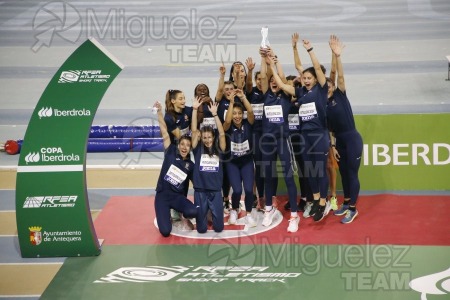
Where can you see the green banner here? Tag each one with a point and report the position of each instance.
(405, 152)
(268, 271)
(52, 207)
(402, 152)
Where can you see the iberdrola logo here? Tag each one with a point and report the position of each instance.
(45, 112)
(35, 235)
(32, 157)
(51, 154)
(434, 284)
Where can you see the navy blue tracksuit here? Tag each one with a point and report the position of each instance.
(172, 188)
(349, 143)
(208, 179)
(240, 168)
(315, 135)
(275, 142)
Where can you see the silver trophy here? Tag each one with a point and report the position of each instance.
(265, 41)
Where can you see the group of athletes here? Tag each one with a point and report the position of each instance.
(300, 124)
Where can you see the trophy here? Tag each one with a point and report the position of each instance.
(265, 40)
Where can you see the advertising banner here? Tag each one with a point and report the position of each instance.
(408, 152)
(401, 152)
(52, 207)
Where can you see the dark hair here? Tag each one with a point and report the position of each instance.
(310, 70)
(199, 85)
(213, 149)
(294, 83)
(171, 95)
(185, 137)
(238, 105)
(313, 71)
(232, 70)
(256, 74)
(290, 77)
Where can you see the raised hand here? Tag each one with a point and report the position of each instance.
(294, 39)
(239, 93)
(263, 52)
(222, 69)
(270, 51)
(336, 45)
(250, 64)
(197, 102)
(158, 106)
(270, 60)
(213, 107)
(307, 44)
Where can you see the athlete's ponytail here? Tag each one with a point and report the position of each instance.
(170, 108)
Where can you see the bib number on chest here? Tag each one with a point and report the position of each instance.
(274, 113)
(294, 121)
(307, 111)
(208, 122)
(175, 176)
(209, 163)
(258, 110)
(239, 149)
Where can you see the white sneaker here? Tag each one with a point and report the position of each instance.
(268, 217)
(293, 224)
(233, 217)
(328, 207)
(307, 210)
(250, 221)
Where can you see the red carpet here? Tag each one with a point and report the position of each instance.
(383, 219)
